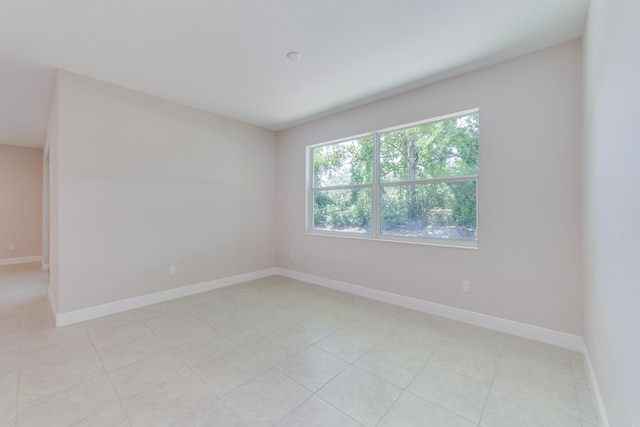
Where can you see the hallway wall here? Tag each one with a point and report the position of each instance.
(20, 203)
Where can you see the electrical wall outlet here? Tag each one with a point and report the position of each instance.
(466, 286)
(172, 270)
(11, 246)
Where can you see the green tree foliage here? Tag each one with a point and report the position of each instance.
(413, 163)
(343, 209)
(345, 163)
(435, 150)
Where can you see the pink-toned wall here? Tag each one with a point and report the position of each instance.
(528, 264)
(20, 202)
(144, 184)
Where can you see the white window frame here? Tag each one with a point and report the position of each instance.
(376, 188)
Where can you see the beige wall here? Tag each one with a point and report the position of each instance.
(528, 265)
(20, 201)
(612, 205)
(143, 184)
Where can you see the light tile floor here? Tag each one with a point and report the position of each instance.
(274, 352)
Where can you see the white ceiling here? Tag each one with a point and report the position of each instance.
(229, 56)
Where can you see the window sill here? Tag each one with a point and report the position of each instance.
(458, 244)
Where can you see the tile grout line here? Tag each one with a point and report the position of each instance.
(106, 372)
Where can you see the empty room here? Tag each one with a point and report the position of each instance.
(337, 213)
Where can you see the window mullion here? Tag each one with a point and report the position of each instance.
(375, 191)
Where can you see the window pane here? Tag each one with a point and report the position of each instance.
(448, 148)
(342, 210)
(343, 163)
(445, 210)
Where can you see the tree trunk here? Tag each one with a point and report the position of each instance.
(412, 211)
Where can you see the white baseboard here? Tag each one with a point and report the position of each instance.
(595, 390)
(68, 318)
(20, 260)
(560, 339)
